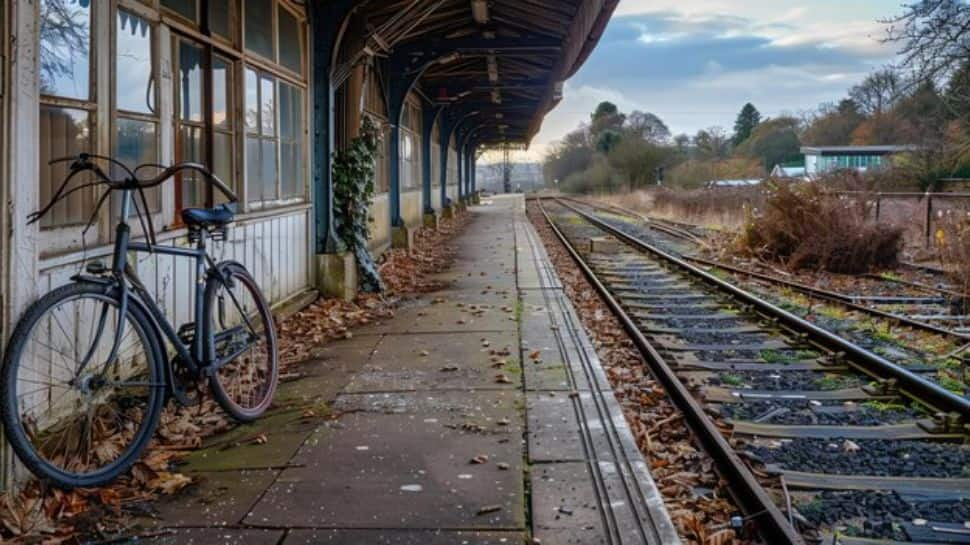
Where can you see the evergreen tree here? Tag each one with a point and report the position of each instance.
(748, 119)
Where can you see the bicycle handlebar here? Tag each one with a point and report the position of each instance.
(82, 162)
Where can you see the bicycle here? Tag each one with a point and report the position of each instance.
(87, 373)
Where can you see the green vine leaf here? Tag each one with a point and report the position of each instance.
(353, 193)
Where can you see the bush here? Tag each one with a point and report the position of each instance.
(810, 226)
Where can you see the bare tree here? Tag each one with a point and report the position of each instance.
(879, 91)
(648, 127)
(935, 37)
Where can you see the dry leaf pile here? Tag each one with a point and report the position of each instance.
(40, 515)
(406, 272)
(695, 497)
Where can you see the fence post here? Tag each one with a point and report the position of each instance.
(878, 205)
(929, 218)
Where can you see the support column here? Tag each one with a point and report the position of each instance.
(336, 271)
(461, 171)
(430, 114)
(444, 142)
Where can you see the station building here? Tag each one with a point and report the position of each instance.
(264, 92)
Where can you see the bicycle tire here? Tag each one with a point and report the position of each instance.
(10, 412)
(236, 273)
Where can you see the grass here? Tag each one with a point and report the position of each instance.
(731, 379)
(883, 406)
(945, 380)
(831, 382)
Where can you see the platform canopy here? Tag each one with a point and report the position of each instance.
(502, 62)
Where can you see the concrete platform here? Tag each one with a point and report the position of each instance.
(479, 414)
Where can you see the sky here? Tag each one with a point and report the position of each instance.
(695, 63)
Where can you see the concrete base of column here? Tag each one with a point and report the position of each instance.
(431, 220)
(477, 198)
(337, 275)
(447, 212)
(402, 237)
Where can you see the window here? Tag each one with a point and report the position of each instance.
(223, 122)
(220, 18)
(136, 123)
(67, 104)
(275, 137)
(259, 27)
(290, 43)
(292, 137)
(410, 147)
(190, 121)
(186, 8)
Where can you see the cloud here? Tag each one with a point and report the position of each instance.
(696, 62)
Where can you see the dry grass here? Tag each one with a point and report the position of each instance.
(809, 226)
(716, 207)
(953, 241)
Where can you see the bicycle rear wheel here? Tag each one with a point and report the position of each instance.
(240, 327)
(74, 415)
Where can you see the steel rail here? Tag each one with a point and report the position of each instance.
(909, 383)
(840, 298)
(754, 501)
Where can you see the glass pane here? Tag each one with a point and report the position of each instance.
(221, 97)
(292, 174)
(190, 149)
(190, 82)
(259, 27)
(63, 132)
(222, 154)
(134, 86)
(65, 48)
(291, 112)
(290, 41)
(136, 143)
(268, 163)
(252, 101)
(268, 108)
(254, 185)
(220, 18)
(185, 8)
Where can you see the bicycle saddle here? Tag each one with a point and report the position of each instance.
(209, 217)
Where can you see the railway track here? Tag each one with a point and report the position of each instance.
(812, 433)
(887, 299)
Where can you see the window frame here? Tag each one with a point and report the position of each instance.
(59, 239)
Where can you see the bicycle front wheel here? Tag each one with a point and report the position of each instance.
(81, 402)
(242, 335)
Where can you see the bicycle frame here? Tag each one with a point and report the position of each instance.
(199, 357)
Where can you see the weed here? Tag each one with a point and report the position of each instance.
(883, 406)
(831, 382)
(731, 379)
(947, 381)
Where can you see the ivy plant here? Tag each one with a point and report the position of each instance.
(353, 194)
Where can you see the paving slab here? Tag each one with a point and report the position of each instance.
(441, 361)
(215, 499)
(217, 536)
(406, 461)
(401, 537)
(474, 313)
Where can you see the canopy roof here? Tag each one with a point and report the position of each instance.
(503, 61)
